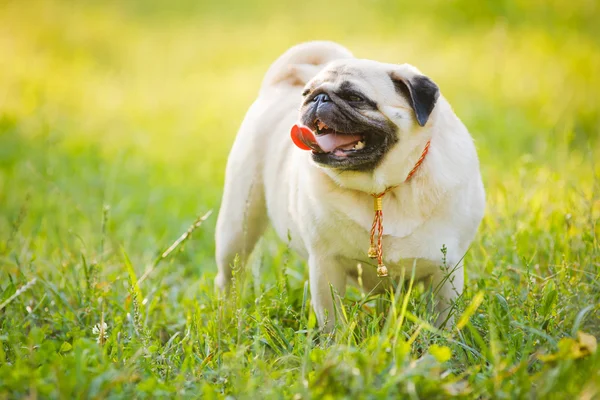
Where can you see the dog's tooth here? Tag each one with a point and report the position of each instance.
(359, 145)
(321, 125)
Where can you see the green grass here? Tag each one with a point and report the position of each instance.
(115, 123)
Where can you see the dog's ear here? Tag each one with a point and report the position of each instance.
(419, 90)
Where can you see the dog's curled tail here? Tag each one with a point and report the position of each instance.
(302, 62)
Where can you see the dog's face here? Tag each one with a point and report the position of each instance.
(360, 110)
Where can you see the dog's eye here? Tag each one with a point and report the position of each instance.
(354, 98)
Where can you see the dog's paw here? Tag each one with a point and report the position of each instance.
(222, 282)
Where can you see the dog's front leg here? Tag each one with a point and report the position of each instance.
(449, 285)
(325, 274)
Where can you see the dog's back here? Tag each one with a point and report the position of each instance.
(302, 62)
(261, 145)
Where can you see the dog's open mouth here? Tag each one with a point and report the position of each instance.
(329, 140)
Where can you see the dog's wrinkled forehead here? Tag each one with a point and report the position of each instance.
(390, 85)
(370, 77)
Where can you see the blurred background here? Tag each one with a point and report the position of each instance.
(116, 119)
(133, 106)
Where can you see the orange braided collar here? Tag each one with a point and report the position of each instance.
(376, 248)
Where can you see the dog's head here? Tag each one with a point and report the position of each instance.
(360, 110)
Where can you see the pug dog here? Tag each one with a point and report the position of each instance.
(377, 180)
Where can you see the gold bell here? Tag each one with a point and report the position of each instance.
(378, 203)
(372, 252)
(382, 271)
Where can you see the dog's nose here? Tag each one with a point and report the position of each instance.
(322, 98)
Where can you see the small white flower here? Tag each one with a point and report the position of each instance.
(101, 330)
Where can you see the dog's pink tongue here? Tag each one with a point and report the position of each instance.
(331, 141)
(304, 138)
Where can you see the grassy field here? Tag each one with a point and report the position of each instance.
(116, 118)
